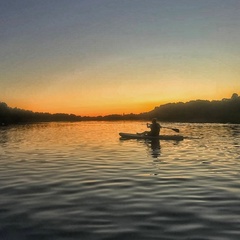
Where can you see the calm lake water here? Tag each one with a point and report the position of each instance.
(80, 181)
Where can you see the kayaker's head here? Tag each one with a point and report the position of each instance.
(154, 120)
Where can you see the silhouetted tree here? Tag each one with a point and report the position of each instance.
(15, 115)
(224, 111)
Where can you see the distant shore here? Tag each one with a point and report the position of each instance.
(197, 111)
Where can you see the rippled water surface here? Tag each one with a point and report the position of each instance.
(80, 181)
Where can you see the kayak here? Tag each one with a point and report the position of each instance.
(141, 136)
(160, 137)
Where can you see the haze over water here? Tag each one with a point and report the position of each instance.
(80, 181)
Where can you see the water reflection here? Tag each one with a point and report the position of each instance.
(3, 135)
(62, 173)
(234, 130)
(155, 147)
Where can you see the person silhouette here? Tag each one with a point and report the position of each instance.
(154, 129)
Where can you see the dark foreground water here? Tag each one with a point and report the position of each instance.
(80, 181)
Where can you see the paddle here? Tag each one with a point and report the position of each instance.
(174, 129)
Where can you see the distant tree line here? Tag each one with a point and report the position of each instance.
(200, 111)
(10, 115)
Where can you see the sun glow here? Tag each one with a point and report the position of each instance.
(118, 58)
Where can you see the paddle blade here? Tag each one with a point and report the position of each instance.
(176, 130)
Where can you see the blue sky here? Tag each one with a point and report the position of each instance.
(109, 56)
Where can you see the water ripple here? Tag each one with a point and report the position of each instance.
(79, 181)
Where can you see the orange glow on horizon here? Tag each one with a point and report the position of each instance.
(100, 109)
(138, 61)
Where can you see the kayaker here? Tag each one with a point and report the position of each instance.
(155, 128)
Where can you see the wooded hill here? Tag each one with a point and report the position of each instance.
(10, 115)
(224, 111)
(199, 111)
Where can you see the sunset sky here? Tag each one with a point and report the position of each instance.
(99, 57)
